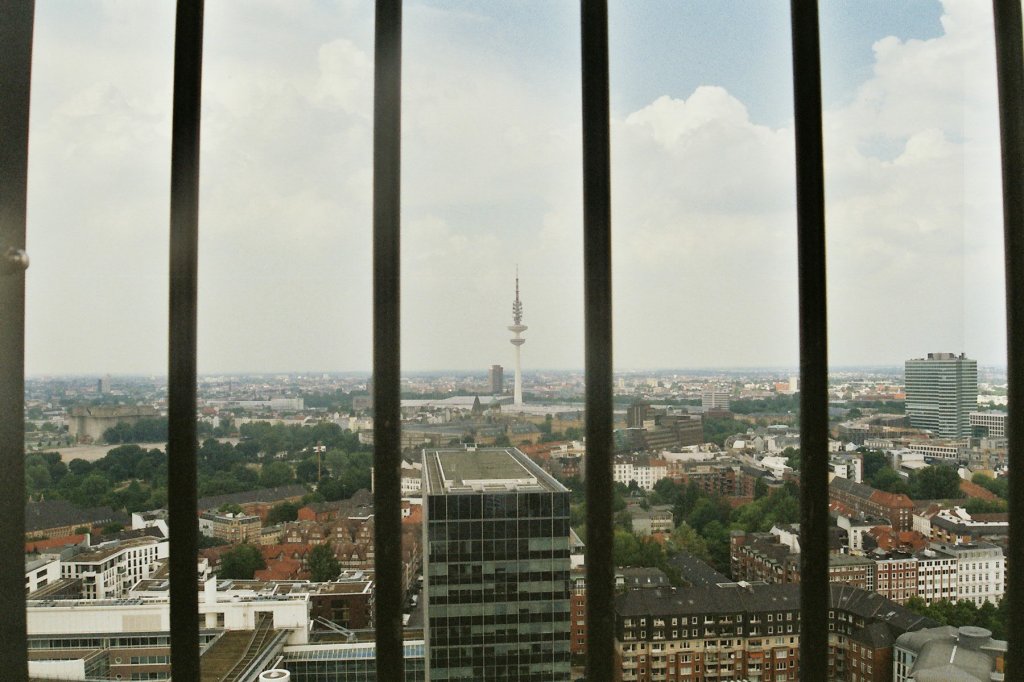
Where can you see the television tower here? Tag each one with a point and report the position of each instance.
(517, 341)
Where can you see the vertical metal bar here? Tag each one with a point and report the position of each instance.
(181, 377)
(387, 423)
(597, 296)
(1010, 79)
(16, 19)
(810, 199)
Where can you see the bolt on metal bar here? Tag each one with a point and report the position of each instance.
(387, 529)
(181, 376)
(810, 205)
(16, 21)
(597, 275)
(1010, 80)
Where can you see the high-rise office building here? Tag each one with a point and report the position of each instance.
(497, 380)
(496, 568)
(942, 391)
(715, 399)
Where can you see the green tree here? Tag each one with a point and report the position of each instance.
(888, 480)
(792, 456)
(241, 563)
(79, 466)
(717, 429)
(977, 505)
(684, 537)
(873, 461)
(760, 488)
(275, 474)
(281, 513)
(1000, 486)
(935, 482)
(709, 509)
(323, 565)
(307, 470)
(92, 491)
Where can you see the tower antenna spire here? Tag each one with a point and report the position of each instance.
(517, 328)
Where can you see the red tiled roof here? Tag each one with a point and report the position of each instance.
(52, 543)
(974, 490)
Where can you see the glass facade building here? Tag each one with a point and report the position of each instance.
(942, 391)
(347, 662)
(496, 573)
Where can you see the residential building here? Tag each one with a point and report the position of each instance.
(857, 527)
(937, 576)
(981, 571)
(41, 571)
(109, 571)
(847, 465)
(896, 576)
(578, 613)
(857, 571)
(850, 498)
(942, 391)
(58, 518)
(645, 471)
(496, 567)
(744, 631)
(234, 528)
(256, 502)
(956, 526)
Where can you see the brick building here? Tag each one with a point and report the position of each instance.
(852, 498)
(743, 631)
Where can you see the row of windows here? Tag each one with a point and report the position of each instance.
(499, 506)
(541, 532)
(495, 623)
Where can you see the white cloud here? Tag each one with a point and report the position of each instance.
(704, 227)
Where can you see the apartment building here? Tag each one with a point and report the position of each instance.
(646, 471)
(234, 528)
(850, 498)
(936, 575)
(896, 576)
(743, 631)
(109, 571)
(981, 571)
(956, 526)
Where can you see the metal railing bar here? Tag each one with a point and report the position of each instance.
(1010, 80)
(387, 540)
(597, 275)
(16, 23)
(181, 375)
(810, 206)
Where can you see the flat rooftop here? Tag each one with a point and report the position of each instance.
(484, 470)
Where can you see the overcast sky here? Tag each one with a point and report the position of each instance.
(703, 191)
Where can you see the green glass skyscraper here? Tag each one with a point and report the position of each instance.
(496, 568)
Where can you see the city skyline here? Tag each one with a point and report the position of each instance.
(704, 233)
